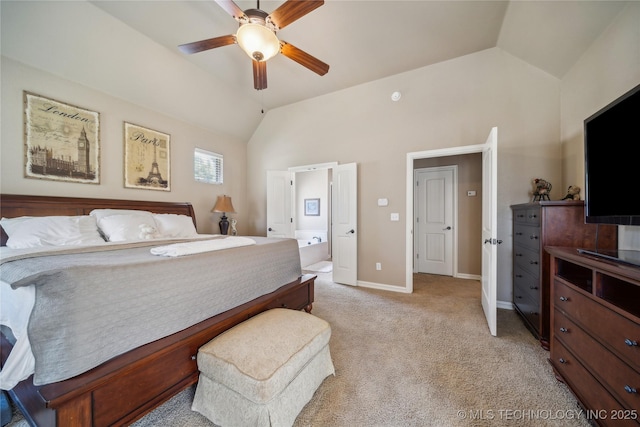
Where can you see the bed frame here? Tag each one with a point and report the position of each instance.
(128, 386)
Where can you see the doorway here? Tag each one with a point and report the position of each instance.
(466, 206)
(488, 241)
(340, 204)
(312, 218)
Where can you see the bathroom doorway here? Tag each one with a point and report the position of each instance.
(312, 217)
(333, 200)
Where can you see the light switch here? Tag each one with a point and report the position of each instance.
(395, 217)
(471, 193)
(383, 202)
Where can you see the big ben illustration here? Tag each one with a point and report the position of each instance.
(84, 166)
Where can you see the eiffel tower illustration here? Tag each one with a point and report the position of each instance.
(154, 174)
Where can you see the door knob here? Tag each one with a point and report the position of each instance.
(352, 231)
(448, 228)
(270, 229)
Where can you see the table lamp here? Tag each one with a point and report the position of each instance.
(223, 204)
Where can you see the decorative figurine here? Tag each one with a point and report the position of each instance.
(573, 193)
(542, 189)
(234, 232)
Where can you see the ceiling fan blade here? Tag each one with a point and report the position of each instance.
(303, 58)
(207, 44)
(259, 75)
(232, 9)
(292, 10)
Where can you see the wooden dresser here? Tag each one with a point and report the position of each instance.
(595, 334)
(540, 224)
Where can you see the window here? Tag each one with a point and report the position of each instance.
(207, 166)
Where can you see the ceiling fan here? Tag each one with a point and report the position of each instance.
(256, 35)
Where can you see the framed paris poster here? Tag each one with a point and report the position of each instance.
(147, 158)
(61, 141)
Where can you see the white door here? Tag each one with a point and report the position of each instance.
(434, 220)
(279, 195)
(344, 199)
(489, 230)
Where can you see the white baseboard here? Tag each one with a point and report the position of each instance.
(468, 276)
(506, 305)
(382, 286)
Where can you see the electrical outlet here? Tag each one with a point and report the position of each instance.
(378, 266)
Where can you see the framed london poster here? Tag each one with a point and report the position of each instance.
(146, 158)
(61, 141)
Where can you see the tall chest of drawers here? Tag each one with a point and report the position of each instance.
(540, 224)
(595, 334)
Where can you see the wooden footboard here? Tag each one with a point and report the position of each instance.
(124, 389)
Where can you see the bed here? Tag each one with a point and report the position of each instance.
(134, 382)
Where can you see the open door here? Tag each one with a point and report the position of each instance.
(344, 199)
(279, 217)
(489, 230)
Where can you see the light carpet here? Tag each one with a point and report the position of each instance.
(421, 359)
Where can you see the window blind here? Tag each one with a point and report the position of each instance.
(207, 166)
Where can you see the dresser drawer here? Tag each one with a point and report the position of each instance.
(615, 332)
(527, 236)
(527, 216)
(525, 283)
(616, 375)
(586, 387)
(527, 259)
(520, 216)
(529, 309)
(533, 216)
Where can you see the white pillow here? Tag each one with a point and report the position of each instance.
(98, 214)
(30, 232)
(173, 225)
(121, 228)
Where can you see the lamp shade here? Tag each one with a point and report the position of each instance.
(258, 41)
(224, 205)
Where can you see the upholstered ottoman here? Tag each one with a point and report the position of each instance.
(263, 371)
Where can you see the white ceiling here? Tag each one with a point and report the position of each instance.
(365, 40)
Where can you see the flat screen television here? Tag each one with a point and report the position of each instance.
(612, 165)
(612, 162)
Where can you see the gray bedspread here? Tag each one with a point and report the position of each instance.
(95, 305)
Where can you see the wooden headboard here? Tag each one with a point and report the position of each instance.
(14, 205)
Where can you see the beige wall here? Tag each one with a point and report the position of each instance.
(469, 208)
(453, 103)
(17, 77)
(609, 68)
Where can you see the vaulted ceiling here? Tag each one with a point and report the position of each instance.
(365, 40)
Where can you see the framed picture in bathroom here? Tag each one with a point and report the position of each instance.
(312, 207)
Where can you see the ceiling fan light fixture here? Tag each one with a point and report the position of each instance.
(258, 41)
